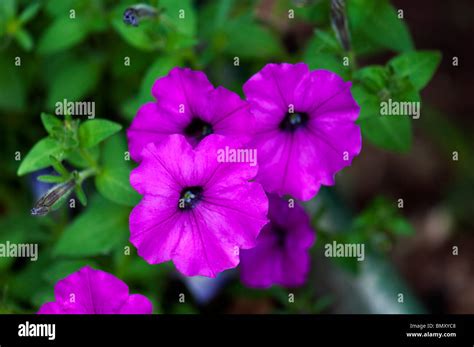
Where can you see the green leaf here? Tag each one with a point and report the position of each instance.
(159, 68)
(388, 132)
(172, 10)
(64, 268)
(64, 33)
(77, 160)
(51, 123)
(115, 151)
(96, 231)
(114, 184)
(38, 157)
(12, 97)
(113, 181)
(51, 179)
(418, 66)
(374, 78)
(92, 132)
(324, 52)
(58, 166)
(24, 39)
(400, 226)
(245, 38)
(74, 79)
(180, 32)
(80, 194)
(29, 13)
(56, 8)
(374, 85)
(379, 23)
(8, 8)
(18, 228)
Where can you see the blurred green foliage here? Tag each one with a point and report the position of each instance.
(81, 50)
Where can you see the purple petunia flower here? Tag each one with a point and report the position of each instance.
(90, 291)
(195, 210)
(305, 127)
(188, 104)
(281, 256)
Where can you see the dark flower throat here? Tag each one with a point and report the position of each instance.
(198, 129)
(293, 121)
(280, 234)
(190, 197)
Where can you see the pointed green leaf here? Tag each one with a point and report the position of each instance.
(58, 166)
(73, 80)
(92, 132)
(418, 66)
(378, 21)
(38, 157)
(324, 52)
(246, 38)
(113, 181)
(24, 39)
(51, 179)
(96, 231)
(114, 184)
(388, 132)
(62, 34)
(80, 194)
(29, 13)
(51, 123)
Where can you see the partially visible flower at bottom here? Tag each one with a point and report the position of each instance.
(90, 291)
(281, 256)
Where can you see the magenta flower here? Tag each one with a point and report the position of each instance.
(90, 291)
(305, 127)
(281, 256)
(187, 103)
(196, 211)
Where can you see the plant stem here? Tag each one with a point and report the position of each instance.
(88, 158)
(81, 176)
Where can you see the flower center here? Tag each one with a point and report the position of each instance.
(280, 234)
(190, 197)
(198, 129)
(293, 121)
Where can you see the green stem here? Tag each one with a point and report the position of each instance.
(88, 158)
(81, 176)
(352, 60)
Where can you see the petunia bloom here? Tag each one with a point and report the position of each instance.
(196, 210)
(188, 104)
(90, 291)
(305, 127)
(281, 256)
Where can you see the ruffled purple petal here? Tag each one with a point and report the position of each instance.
(279, 259)
(230, 115)
(272, 89)
(89, 291)
(152, 124)
(51, 308)
(137, 304)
